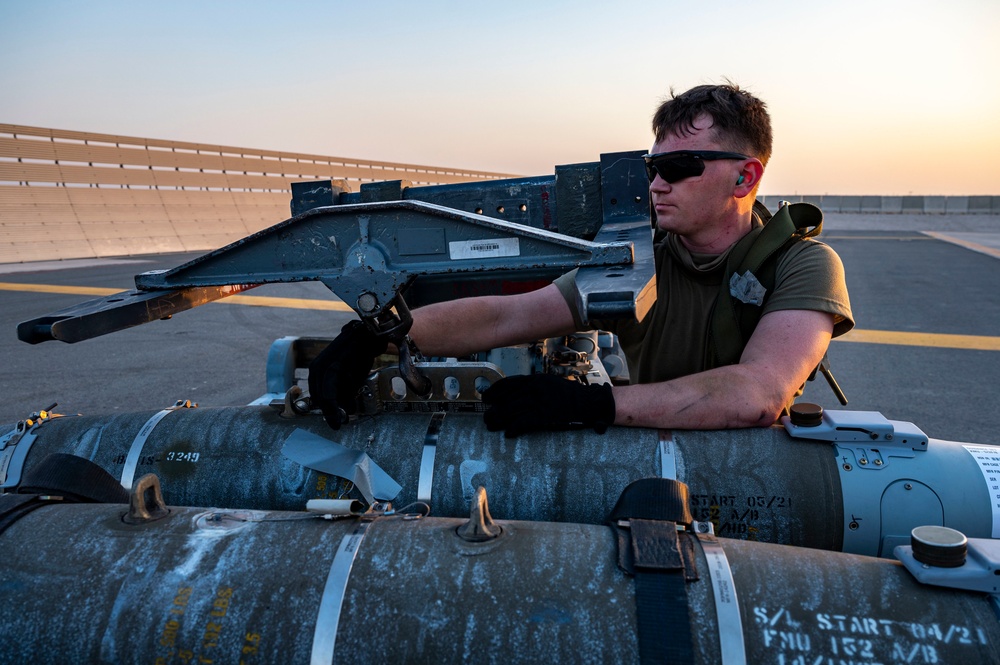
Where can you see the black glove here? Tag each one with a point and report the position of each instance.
(519, 404)
(337, 374)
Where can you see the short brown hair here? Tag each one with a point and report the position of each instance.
(742, 120)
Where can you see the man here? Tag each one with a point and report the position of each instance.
(711, 147)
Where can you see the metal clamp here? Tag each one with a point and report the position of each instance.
(132, 459)
(15, 445)
(727, 607)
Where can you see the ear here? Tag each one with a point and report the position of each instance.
(749, 177)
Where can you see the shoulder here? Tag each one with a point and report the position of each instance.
(810, 275)
(810, 258)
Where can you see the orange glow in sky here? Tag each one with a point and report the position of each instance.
(867, 97)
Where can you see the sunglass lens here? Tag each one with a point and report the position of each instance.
(675, 168)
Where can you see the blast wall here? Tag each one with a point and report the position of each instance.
(68, 194)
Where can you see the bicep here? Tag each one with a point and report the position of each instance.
(786, 347)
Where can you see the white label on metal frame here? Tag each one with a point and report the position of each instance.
(490, 248)
(988, 459)
(330, 605)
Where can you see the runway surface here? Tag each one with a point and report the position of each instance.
(925, 291)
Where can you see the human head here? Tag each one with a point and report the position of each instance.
(740, 120)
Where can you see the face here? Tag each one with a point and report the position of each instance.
(696, 207)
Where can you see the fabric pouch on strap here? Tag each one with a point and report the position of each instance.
(661, 559)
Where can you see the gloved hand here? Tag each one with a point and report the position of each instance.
(336, 375)
(519, 404)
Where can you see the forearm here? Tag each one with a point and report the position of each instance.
(784, 349)
(460, 327)
(456, 327)
(722, 398)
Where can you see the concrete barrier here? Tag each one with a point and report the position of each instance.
(850, 204)
(66, 194)
(956, 205)
(892, 204)
(889, 205)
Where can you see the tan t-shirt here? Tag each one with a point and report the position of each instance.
(672, 339)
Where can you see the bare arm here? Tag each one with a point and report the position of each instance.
(460, 327)
(785, 347)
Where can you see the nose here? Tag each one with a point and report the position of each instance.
(659, 184)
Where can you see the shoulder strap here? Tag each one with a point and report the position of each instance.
(749, 278)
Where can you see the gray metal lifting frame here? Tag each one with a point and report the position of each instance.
(431, 243)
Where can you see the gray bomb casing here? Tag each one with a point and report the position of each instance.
(80, 585)
(756, 484)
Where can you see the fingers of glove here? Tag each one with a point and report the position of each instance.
(508, 388)
(339, 371)
(323, 393)
(332, 415)
(360, 339)
(526, 414)
(529, 422)
(498, 416)
(517, 421)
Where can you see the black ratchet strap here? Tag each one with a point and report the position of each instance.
(662, 561)
(15, 506)
(64, 478)
(75, 478)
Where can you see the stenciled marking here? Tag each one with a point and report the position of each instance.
(737, 516)
(824, 637)
(727, 608)
(988, 459)
(331, 604)
(426, 480)
(207, 637)
(668, 456)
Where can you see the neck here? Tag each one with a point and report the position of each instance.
(717, 238)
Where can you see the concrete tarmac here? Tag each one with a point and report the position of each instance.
(927, 348)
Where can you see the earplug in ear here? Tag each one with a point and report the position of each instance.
(740, 180)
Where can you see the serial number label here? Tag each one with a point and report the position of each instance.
(169, 456)
(491, 248)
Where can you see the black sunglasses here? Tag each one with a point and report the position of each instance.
(680, 164)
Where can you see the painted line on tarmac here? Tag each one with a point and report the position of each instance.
(252, 301)
(966, 240)
(936, 340)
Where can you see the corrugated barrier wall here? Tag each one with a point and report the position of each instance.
(888, 205)
(67, 194)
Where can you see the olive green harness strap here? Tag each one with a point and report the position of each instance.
(750, 276)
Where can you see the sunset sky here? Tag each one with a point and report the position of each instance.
(873, 97)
